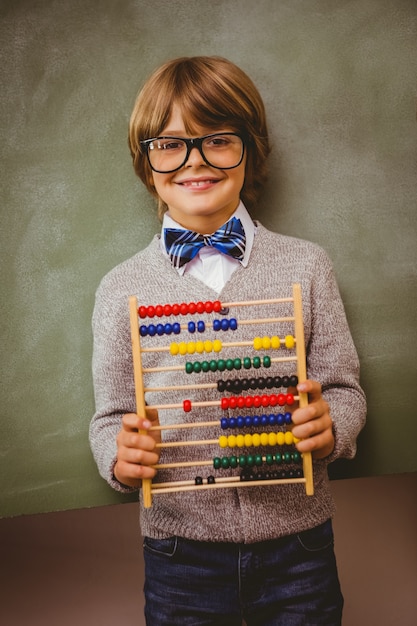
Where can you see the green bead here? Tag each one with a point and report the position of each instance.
(278, 458)
(221, 365)
(225, 462)
(258, 459)
(266, 361)
(296, 456)
(197, 367)
(242, 460)
(287, 457)
(205, 366)
(256, 361)
(217, 463)
(237, 364)
(213, 366)
(269, 459)
(247, 363)
(189, 367)
(250, 459)
(229, 364)
(233, 461)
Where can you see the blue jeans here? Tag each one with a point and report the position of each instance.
(290, 581)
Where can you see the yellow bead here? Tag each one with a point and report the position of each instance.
(275, 342)
(272, 439)
(191, 347)
(280, 438)
(240, 441)
(208, 346)
(199, 347)
(257, 343)
(264, 439)
(223, 441)
(217, 345)
(289, 439)
(231, 441)
(289, 341)
(296, 439)
(173, 348)
(266, 343)
(182, 348)
(256, 439)
(248, 440)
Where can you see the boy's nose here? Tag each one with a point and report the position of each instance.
(195, 158)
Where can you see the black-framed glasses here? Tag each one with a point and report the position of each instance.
(167, 154)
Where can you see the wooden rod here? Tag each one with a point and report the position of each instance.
(255, 302)
(302, 376)
(206, 403)
(219, 485)
(186, 425)
(139, 389)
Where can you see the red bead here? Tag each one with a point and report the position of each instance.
(200, 307)
(175, 309)
(217, 306)
(187, 405)
(265, 400)
(257, 401)
(142, 311)
(208, 306)
(248, 402)
(159, 310)
(184, 308)
(224, 403)
(273, 399)
(192, 308)
(281, 399)
(151, 311)
(290, 399)
(233, 402)
(241, 402)
(167, 309)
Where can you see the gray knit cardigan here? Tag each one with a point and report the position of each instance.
(247, 514)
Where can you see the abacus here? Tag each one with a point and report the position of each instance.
(283, 463)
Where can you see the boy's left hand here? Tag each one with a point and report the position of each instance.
(313, 423)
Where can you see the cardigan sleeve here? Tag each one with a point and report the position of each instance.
(112, 377)
(333, 361)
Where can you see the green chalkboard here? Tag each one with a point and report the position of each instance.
(338, 80)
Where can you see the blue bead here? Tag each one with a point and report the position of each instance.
(248, 420)
(168, 329)
(256, 420)
(225, 324)
(272, 419)
(264, 420)
(201, 327)
(191, 327)
(280, 419)
(224, 423)
(232, 422)
(240, 421)
(160, 329)
(152, 330)
(143, 330)
(233, 323)
(288, 418)
(176, 327)
(217, 325)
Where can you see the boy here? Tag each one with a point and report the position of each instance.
(199, 142)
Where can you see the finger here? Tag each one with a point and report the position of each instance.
(132, 422)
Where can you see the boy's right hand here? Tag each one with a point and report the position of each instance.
(136, 451)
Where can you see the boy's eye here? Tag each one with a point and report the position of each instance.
(219, 141)
(167, 144)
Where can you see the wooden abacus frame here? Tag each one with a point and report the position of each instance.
(148, 489)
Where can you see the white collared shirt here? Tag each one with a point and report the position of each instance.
(211, 266)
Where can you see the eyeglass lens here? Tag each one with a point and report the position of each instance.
(167, 154)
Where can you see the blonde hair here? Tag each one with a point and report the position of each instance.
(210, 92)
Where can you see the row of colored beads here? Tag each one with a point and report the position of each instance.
(216, 346)
(179, 309)
(249, 460)
(248, 421)
(240, 402)
(175, 329)
(237, 385)
(248, 476)
(227, 364)
(266, 343)
(258, 439)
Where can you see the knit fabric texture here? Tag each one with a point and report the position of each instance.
(241, 515)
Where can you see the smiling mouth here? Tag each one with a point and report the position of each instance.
(198, 183)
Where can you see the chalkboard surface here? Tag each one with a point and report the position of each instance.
(338, 80)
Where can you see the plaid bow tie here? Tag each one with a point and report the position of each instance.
(183, 245)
